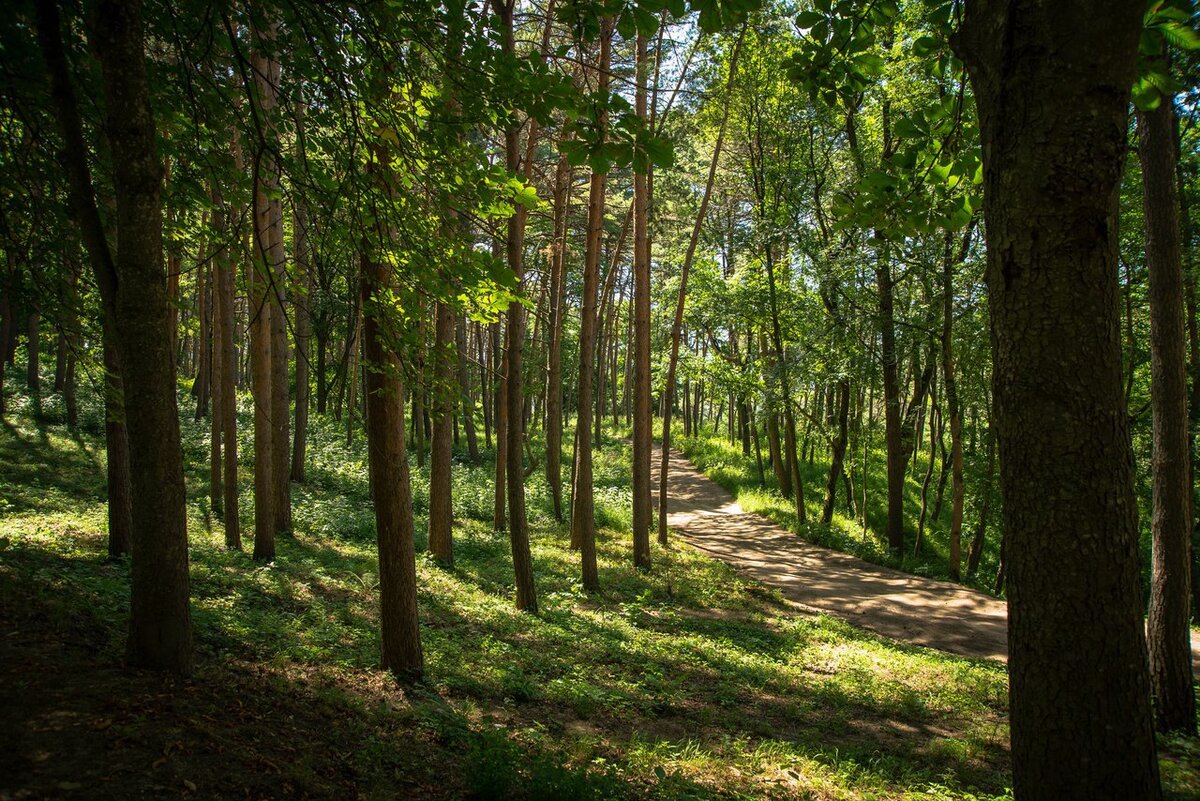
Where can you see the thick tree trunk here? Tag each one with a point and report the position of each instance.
(1051, 80)
(1168, 634)
(160, 631)
(500, 414)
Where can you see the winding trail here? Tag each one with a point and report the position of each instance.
(913, 609)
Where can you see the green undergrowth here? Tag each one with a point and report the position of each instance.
(725, 463)
(684, 682)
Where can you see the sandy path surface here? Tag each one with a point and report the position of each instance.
(935, 614)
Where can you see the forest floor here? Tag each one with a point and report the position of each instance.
(690, 681)
(914, 609)
(918, 610)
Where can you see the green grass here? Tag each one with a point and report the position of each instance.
(725, 463)
(684, 682)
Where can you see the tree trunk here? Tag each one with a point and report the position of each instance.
(642, 438)
(1051, 80)
(583, 509)
(558, 291)
(302, 309)
(897, 455)
(518, 533)
(950, 382)
(668, 404)
(441, 510)
(134, 292)
(223, 384)
(1168, 634)
(464, 388)
(837, 449)
(387, 461)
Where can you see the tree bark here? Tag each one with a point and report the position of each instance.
(558, 291)
(441, 510)
(1052, 81)
(1168, 633)
(391, 490)
(134, 291)
(583, 509)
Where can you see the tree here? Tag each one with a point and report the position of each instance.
(134, 287)
(1052, 82)
(1168, 633)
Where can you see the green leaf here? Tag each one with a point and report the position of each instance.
(924, 45)
(807, 19)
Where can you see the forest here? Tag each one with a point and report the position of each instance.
(599, 399)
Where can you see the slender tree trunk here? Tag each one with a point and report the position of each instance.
(1168, 633)
(558, 285)
(302, 306)
(837, 449)
(896, 454)
(499, 393)
(526, 595)
(223, 384)
(201, 385)
(642, 437)
(387, 461)
(464, 388)
(984, 507)
(266, 76)
(33, 351)
(583, 511)
(951, 384)
(668, 404)
(441, 510)
(1051, 81)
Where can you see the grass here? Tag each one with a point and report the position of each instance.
(685, 682)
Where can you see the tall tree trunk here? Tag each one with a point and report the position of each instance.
(518, 533)
(223, 384)
(583, 509)
(668, 404)
(1052, 81)
(441, 510)
(950, 382)
(387, 461)
(134, 291)
(302, 309)
(558, 291)
(837, 449)
(984, 507)
(897, 455)
(266, 70)
(200, 387)
(499, 393)
(33, 351)
(1168, 633)
(464, 388)
(642, 438)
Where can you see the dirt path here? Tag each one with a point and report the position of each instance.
(935, 614)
